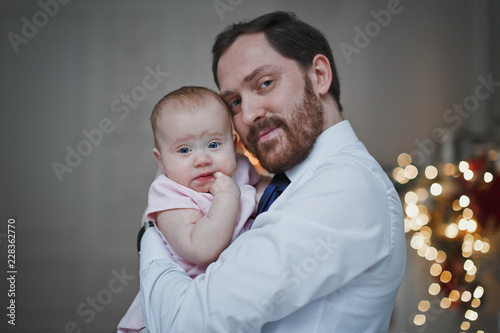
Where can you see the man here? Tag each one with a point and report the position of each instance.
(329, 254)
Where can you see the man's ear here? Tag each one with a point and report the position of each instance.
(322, 73)
(157, 154)
(235, 139)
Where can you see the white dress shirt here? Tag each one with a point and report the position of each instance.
(328, 256)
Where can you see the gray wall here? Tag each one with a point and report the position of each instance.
(72, 75)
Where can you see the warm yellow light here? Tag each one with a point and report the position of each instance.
(468, 174)
(411, 197)
(401, 178)
(431, 172)
(419, 320)
(411, 210)
(251, 158)
(445, 276)
(422, 194)
(454, 295)
(426, 232)
(417, 241)
(478, 245)
(469, 278)
(466, 296)
(423, 209)
(468, 239)
(465, 325)
(436, 189)
(431, 253)
(456, 205)
(399, 175)
(463, 166)
(467, 213)
(434, 289)
(436, 269)
(415, 225)
(451, 230)
(468, 264)
(486, 247)
(424, 305)
(407, 225)
(471, 315)
(449, 169)
(445, 303)
(475, 303)
(478, 292)
(462, 224)
(466, 250)
(464, 201)
(488, 177)
(493, 155)
(411, 171)
(422, 250)
(471, 226)
(395, 172)
(404, 159)
(441, 257)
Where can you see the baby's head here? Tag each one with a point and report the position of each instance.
(193, 137)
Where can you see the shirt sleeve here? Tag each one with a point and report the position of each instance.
(331, 228)
(165, 194)
(245, 173)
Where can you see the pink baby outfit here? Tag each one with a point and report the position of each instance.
(165, 194)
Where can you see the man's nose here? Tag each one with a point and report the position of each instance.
(252, 111)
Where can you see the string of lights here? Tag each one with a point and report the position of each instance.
(445, 216)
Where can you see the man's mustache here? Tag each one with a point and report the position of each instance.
(267, 123)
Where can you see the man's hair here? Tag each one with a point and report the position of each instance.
(288, 35)
(182, 99)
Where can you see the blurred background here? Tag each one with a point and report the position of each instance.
(78, 81)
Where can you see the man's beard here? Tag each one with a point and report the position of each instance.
(302, 126)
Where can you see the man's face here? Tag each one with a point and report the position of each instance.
(275, 109)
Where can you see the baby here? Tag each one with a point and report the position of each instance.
(207, 194)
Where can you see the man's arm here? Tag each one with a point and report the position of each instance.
(269, 267)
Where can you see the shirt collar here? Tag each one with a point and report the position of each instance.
(329, 141)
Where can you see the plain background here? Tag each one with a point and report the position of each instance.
(75, 233)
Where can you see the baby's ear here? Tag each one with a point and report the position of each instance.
(157, 154)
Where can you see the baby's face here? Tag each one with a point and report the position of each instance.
(194, 144)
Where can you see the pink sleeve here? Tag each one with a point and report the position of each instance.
(165, 194)
(246, 173)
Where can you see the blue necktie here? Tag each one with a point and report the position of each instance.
(278, 184)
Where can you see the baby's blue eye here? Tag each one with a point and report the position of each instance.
(184, 150)
(213, 145)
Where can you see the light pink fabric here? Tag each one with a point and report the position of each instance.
(165, 194)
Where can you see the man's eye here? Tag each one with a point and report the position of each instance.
(184, 150)
(235, 103)
(266, 83)
(213, 145)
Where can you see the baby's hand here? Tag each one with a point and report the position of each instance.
(224, 184)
